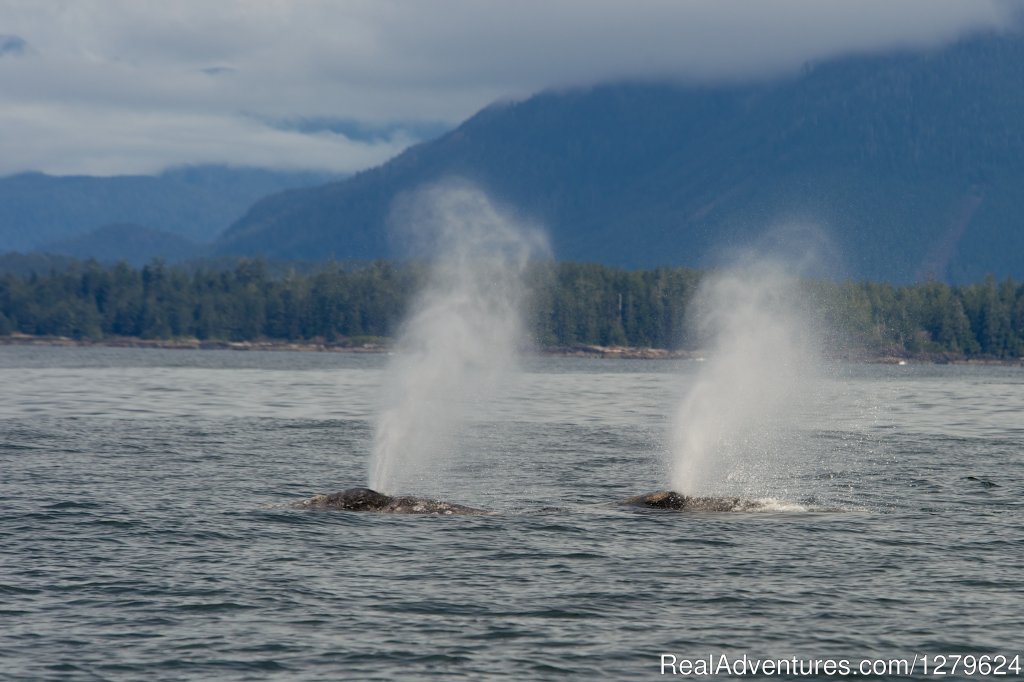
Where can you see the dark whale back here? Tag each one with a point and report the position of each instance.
(355, 499)
(669, 499)
(365, 499)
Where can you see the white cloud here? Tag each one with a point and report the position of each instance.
(92, 140)
(124, 85)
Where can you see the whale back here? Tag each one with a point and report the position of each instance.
(423, 505)
(662, 499)
(365, 499)
(353, 499)
(669, 499)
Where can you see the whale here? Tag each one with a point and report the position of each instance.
(367, 500)
(669, 499)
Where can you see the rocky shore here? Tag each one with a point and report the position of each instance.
(384, 346)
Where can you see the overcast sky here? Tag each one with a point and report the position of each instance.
(133, 86)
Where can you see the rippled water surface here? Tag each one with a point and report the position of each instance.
(142, 532)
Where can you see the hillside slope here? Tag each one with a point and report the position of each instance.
(134, 244)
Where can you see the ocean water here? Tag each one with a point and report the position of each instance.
(143, 531)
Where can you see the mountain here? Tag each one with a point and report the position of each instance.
(27, 264)
(134, 244)
(896, 166)
(196, 203)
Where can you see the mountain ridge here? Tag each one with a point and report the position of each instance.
(876, 154)
(193, 202)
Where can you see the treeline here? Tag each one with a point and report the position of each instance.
(572, 304)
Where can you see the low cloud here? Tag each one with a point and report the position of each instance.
(127, 84)
(111, 141)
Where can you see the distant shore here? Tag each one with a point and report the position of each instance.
(196, 344)
(384, 346)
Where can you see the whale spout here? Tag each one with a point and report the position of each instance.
(365, 499)
(669, 499)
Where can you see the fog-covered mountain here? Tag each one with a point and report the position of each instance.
(896, 167)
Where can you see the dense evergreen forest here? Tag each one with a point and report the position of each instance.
(572, 304)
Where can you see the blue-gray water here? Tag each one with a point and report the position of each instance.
(141, 533)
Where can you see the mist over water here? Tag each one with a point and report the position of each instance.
(462, 336)
(738, 423)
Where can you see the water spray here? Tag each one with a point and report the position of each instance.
(463, 334)
(735, 426)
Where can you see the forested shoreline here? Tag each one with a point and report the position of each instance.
(572, 304)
